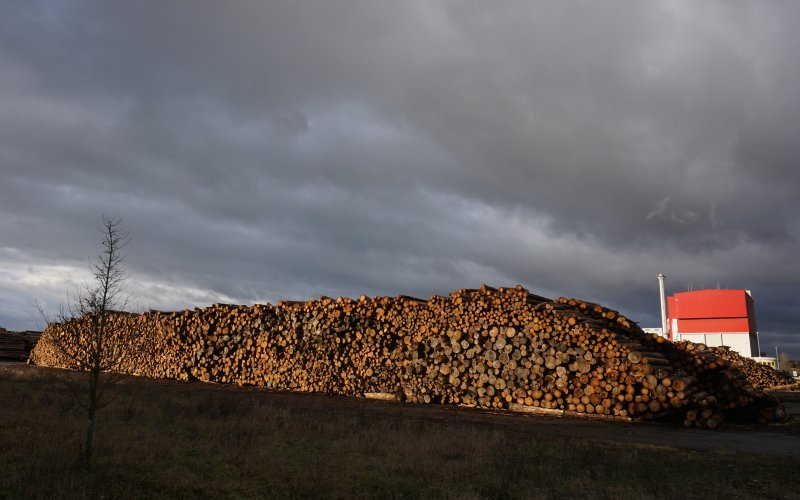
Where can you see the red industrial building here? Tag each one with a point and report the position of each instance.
(715, 318)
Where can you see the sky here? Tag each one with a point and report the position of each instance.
(267, 150)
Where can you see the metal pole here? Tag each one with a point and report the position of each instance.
(663, 306)
(777, 359)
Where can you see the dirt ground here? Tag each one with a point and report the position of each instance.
(775, 440)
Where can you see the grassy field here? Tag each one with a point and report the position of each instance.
(172, 440)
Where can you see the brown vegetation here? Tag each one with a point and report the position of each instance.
(164, 439)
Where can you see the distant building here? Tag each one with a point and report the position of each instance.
(766, 360)
(715, 318)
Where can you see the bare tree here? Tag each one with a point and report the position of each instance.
(85, 337)
(785, 361)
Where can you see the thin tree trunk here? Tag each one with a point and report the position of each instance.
(87, 454)
(94, 377)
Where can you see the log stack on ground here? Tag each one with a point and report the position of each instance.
(757, 375)
(486, 347)
(17, 346)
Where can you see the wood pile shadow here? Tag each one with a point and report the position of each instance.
(17, 346)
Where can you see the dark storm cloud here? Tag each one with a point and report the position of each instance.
(267, 150)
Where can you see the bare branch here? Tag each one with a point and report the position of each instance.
(85, 336)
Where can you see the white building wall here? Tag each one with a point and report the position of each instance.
(713, 339)
(697, 338)
(739, 342)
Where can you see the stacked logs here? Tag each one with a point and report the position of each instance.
(132, 344)
(16, 346)
(487, 347)
(757, 375)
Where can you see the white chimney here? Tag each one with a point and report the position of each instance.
(663, 305)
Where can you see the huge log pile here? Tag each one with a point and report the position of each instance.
(489, 348)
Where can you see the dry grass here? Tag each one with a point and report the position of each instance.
(188, 440)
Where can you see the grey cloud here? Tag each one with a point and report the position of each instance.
(662, 211)
(263, 150)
